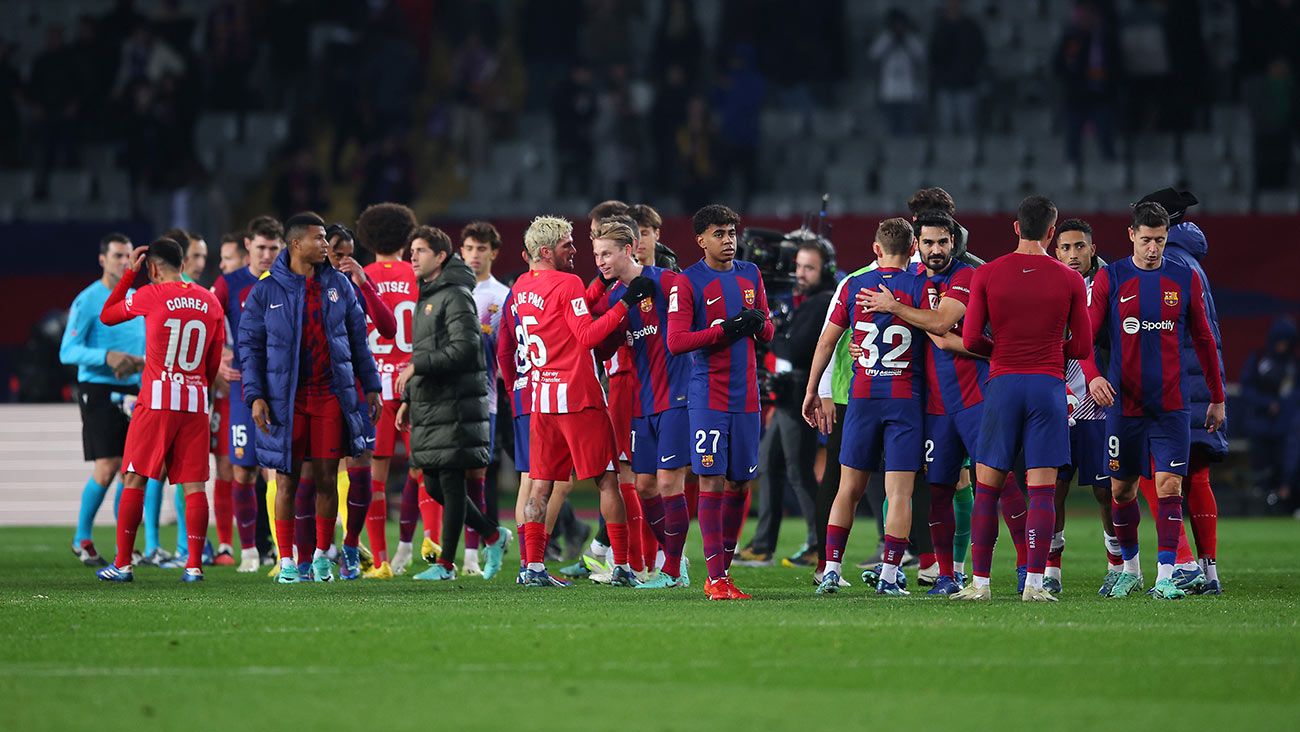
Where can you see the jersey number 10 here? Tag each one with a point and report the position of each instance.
(181, 341)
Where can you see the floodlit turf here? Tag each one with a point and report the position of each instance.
(239, 653)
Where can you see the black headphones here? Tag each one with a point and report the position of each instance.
(827, 252)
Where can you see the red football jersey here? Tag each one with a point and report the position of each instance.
(184, 333)
(623, 362)
(395, 283)
(559, 332)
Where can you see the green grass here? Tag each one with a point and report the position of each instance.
(241, 653)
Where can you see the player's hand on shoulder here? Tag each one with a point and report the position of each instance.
(877, 301)
(1101, 391)
(1215, 416)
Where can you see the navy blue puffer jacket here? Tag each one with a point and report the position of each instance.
(270, 332)
(1186, 245)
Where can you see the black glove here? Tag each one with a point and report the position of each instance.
(638, 290)
(753, 321)
(735, 326)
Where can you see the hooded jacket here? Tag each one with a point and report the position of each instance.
(447, 396)
(1268, 383)
(270, 335)
(1186, 245)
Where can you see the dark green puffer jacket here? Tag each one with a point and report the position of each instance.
(448, 393)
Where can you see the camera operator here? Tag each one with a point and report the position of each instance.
(789, 446)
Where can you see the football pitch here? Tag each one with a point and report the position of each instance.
(240, 653)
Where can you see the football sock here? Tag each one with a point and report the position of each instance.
(431, 514)
(1204, 510)
(1016, 513)
(942, 526)
(654, 512)
(304, 514)
(1114, 557)
(182, 532)
(891, 557)
(196, 524)
(837, 537)
(734, 505)
(650, 547)
(117, 497)
(962, 503)
(1210, 568)
(632, 505)
(602, 535)
(284, 540)
(519, 537)
(984, 529)
(1054, 556)
(618, 541)
(223, 511)
(92, 496)
(1171, 517)
(129, 512)
(358, 504)
(1183, 553)
(409, 511)
(377, 522)
(1126, 517)
(535, 545)
(711, 533)
(1039, 525)
(324, 532)
(677, 521)
(153, 491)
(244, 499)
(474, 490)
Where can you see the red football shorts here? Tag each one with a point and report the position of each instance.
(219, 421)
(622, 391)
(561, 444)
(161, 442)
(386, 431)
(318, 427)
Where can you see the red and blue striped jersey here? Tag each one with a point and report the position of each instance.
(512, 358)
(953, 382)
(231, 291)
(664, 379)
(1149, 313)
(724, 377)
(893, 352)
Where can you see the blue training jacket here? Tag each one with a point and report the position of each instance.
(1186, 245)
(270, 334)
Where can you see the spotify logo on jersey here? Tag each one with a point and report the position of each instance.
(1132, 325)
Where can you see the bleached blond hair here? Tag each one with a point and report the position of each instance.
(617, 231)
(545, 231)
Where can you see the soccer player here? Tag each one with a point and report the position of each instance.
(1150, 305)
(169, 429)
(660, 438)
(266, 239)
(234, 257)
(480, 244)
(302, 345)
(1028, 300)
(571, 430)
(385, 229)
(196, 257)
(954, 379)
(716, 307)
(108, 361)
(1075, 248)
(884, 421)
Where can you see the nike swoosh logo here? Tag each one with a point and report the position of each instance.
(1022, 513)
(1126, 299)
(752, 469)
(277, 305)
(935, 523)
(666, 459)
(1177, 465)
(1026, 271)
(1101, 477)
(710, 302)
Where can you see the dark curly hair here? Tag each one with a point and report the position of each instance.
(385, 228)
(713, 215)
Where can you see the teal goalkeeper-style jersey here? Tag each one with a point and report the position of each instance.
(86, 341)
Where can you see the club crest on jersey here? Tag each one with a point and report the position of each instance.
(1171, 298)
(239, 453)
(647, 305)
(706, 461)
(749, 298)
(333, 295)
(1114, 465)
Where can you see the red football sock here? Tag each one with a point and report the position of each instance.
(324, 532)
(519, 539)
(943, 525)
(653, 516)
(984, 528)
(618, 541)
(837, 537)
(734, 506)
(1039, 525)
(693, 499)
(534, 542)
(431, 515)
(474, 488)
(223, 511)
(196, 527)
(1203, 508)
(1147, 486)
(284, 537)
(377, 522)
(711, 533)
(928, 558)
(1016, 513)
(304, 514)
(649, 544)
(129, 512)
(632, 504)
(676, 523)
(358, 504)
